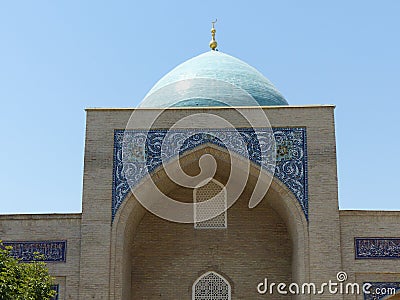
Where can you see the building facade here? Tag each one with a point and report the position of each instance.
(273, 215)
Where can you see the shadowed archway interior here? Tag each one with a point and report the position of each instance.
(256, 243)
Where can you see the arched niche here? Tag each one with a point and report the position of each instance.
(131, 212)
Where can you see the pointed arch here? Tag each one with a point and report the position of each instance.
(130, 214)
(291, 163)
(210, 286)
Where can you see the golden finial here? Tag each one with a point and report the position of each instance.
(213, 42)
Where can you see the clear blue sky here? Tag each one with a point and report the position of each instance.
(59, 57)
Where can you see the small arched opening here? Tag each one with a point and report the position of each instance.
(211, 286)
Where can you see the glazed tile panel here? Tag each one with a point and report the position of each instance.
(56, 287)
(148, 149)
(51, 251)
(377, 248)
(381, 290)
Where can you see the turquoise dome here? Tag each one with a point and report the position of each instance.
(206, 77)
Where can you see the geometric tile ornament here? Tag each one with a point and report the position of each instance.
(382, 290)
(147, 146)
(377, 248)
(52, 251)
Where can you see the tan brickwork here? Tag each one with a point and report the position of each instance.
(324, 257)
(121, 260)
(50, 227)
(356, 223)
(168, 257)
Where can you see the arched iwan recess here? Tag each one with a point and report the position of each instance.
(130, 213)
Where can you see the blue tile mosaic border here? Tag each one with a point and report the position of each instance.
(380, 290)
(53, 251)
(377, 248)
(145, 157)
(55, 287)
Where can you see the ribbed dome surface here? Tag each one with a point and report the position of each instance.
(211, 67)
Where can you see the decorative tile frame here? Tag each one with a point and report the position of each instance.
(53, 251)
(381, 287)
(147, 147)
(56, 287)
(377, 248)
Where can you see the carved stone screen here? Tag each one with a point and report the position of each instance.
(211, 286)
(219, 203)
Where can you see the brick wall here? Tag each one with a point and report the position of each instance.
(50, 227)
(168, 257)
